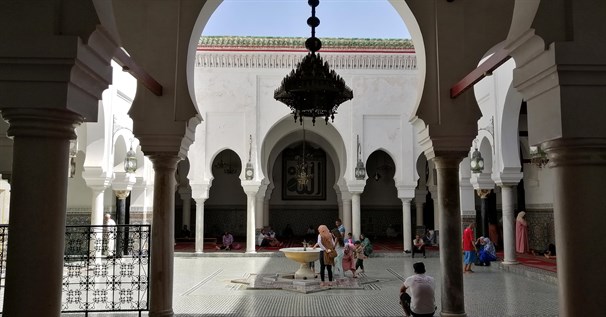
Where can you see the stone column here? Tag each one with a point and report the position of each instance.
(436, 215)
(265, 213)
(251, 188)
(451, 259)
(483, 224)
(509, 233)
(96, 219)
(355, 216)
(347, 215)
(250, 223)
(407, 235)
(419, 206)
(163, 235)
(579, 171)
(200, 225)
(186, 197)
(260, 207)
(121, 219)
(268, 192)
(34, 267)
(432, 188)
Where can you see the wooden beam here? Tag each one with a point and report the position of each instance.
(129, 65)
(485, 69)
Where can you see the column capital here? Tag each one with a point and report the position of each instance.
(576, 152)
(41, 122)
(164, 161)
(420, 195)
(122, 194)
(345, 196)
(185, 192)
(251, 187)
(481, 181)
(96, 178)
(406, 200)
(507, 184)
(449, 159)
(123, 181)
(356, 186)
(508, 177)
(199, 190)
(483, 193)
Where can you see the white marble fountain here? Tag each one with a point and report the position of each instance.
(303, 255)
(304, 280)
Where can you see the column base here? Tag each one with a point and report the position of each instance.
(251, 252)
(163, 313)
(510, 262)
(443, 314)
(199, 252)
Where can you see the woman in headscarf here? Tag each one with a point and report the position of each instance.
(521, 233)
(487, 252)
(327, 245)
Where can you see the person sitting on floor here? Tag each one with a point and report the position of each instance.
(417, 294)
(487, 252)
(366, 245)
(429, 237)
(228, 240)
(418, 246)
(549, 252)
(264, 240)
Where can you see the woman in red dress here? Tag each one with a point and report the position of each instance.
(521, 233)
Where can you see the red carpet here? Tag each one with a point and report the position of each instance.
(536, 261)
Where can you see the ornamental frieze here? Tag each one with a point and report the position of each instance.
(403, 61)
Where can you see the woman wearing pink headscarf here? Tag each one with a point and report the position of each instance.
(326, 243)
(521, 233)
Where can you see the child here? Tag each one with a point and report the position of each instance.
(349, 239)
(349, 259)
(359, 254)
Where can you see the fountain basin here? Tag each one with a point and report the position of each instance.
(303, 256)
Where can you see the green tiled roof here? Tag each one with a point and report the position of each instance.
(251, 42)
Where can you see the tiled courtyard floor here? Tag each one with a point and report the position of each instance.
(204, 286)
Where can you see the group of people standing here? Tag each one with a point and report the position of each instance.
(340, 252)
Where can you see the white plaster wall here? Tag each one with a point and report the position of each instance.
(97, 153)
(538, 186)
(499, 101)
(238, 102)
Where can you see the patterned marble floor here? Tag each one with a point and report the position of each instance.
(204, 286)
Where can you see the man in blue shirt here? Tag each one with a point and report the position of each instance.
(341, 228)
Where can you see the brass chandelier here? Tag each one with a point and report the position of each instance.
(312, 89)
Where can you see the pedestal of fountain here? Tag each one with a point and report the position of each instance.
(303, 256)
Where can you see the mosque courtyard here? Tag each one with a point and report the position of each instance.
(212, 284)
